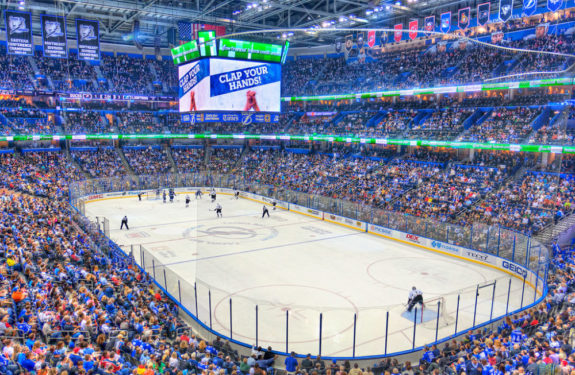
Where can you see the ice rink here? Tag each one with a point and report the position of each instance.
(303, 266)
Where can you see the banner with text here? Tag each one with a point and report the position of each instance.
(54, 36)
(88, 36)
(230, 85)
(18, 33)
(413, 29)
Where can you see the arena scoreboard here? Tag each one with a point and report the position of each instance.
(227, 80)
(207, 46)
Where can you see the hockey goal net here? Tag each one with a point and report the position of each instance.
(434, 308)
(154, 195)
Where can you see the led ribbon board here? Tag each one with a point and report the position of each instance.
(244, 50)
(185, 52)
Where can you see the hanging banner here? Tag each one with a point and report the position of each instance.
(464, 18)
(446, 22)
(371, 38)
(348, 43)
(413, 29)
(554, 5)
(505, 9)
(88, 36)
(397, 34)
(384, 38)
(529, 7)
(54, 36)
(360, 39)
(18, 33)
(429, 25)
(483, 12)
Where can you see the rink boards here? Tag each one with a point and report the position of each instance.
(485, 259)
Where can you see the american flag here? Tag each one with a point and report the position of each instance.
(189, 31)
(185, 31)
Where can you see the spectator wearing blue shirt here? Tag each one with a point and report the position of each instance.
(291, 364)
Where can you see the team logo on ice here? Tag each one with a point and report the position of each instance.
(17, 25)
(87, 32)
(233, 233)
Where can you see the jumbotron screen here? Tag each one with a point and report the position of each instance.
(227, 85)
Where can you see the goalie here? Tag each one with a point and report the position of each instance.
(415, 297)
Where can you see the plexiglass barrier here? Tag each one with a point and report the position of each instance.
(331, 327)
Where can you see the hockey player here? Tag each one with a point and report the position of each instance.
(140, 196)
(219, 210)
(187, 201)
(124, 223)
(415, 297)
(213, 195)
(198, 194)
(265, 212)
(237, 195)
(164, 196)
(274, 205)
(172, 195)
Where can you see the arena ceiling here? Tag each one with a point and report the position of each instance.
(156, 17)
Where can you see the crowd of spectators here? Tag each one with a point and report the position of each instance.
(189, 160)
(28, 120)
(133, 122)
(460, 63)
(147, 159)
(126, 74)
(15, 72)
(223, 159)
(73, 303)
(84, 122)
(441, 124)
(99, 162)
(69, 74)
(504, 125)
(528, 204)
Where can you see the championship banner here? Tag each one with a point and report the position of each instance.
(505, 9)
(429, 25)
(360, 39)
(554, 5)
(18, 33)
(371, 38)
(54, 36)
(384, 38)
(413, 29)
(397, 33)
(483, 12)
(464, 18)
(446, 22)
(88, 37)
(529, 7)
(348, 43)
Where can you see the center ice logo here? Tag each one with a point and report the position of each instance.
(232, 233)
(53, 29)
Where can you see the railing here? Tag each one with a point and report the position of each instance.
(337, 329)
